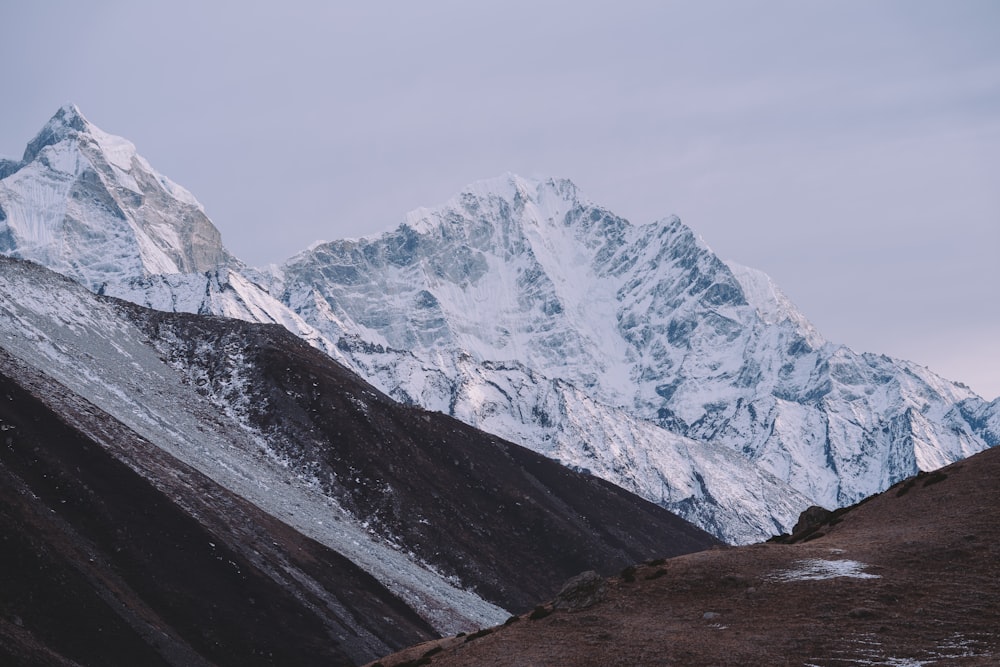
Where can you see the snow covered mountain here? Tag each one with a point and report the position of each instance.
(536, 307)
(629, 351)
(84, 203)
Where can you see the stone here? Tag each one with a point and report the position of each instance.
(582, 591)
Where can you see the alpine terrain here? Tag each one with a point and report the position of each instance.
(629, 352)
(188, 489)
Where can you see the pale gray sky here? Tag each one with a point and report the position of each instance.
(850, 149)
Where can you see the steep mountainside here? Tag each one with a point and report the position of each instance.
(84, 203)
(909, 577)
(116, 553)
(521, 308)
(448, 526)
(498, 518)
(529, 279)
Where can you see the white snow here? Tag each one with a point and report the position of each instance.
(79, 207)
(868, 649)
(516, 294)
(771, 303)
(815, 569)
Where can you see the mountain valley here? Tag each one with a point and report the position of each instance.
(523, 309)
(402, 439)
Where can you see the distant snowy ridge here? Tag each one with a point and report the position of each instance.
(524, 309)
(85, 203)
(529, 278)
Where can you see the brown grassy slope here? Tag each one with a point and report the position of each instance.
(931, 541)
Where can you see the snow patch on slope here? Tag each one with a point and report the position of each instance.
(60, 329)
(816, 569)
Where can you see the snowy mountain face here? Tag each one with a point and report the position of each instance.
(84, 203)
(629, 351)
(526, 302)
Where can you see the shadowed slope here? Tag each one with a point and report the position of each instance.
(505, 521)
(116, 553)
(157, 440)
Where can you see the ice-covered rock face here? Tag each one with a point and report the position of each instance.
(84, 203)
(526, 310)
(484, 275)
(530, 272)
(647, 323)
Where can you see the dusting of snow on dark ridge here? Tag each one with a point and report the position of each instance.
(58, 328)
(495, 517)
(459, 526)
(116, 553)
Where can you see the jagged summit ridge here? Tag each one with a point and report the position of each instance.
(508, 242)
(83, 202)
(529, 271)
(516, 283)
(66, 120)
(510, 187)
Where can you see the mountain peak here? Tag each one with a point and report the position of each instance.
(70, 115)
(506, 184)
(516, 190)
(511, 186)
(67, 121)
(125, 220)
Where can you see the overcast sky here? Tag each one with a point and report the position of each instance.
(850, 149)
